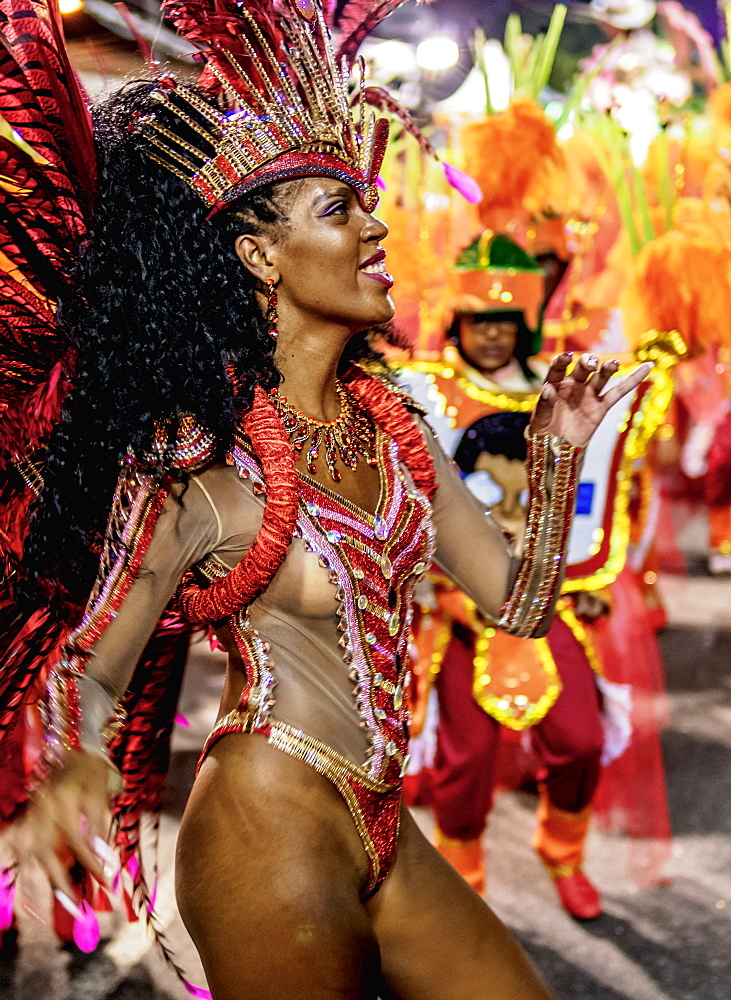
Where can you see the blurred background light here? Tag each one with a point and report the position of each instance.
(437, 54)
(388, 59)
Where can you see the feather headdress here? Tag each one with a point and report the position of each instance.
(285, 104)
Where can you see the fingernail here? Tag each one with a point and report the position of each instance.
(546, 392)
(108, 856)
(105, 851)
(68, 904)
(86, 929)
(592, 361)
(567, 354)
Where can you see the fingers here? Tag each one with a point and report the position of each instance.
(607, 369)
(543, 409)
(37, 839)
(584, 367)
(627, 384)
(85, 854)
(56, 833)
(106, 853)
(96, 811)
(557, 370)
(57, 873)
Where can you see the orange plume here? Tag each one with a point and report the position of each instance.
(719, 106)
(512, 156)
(682, 283)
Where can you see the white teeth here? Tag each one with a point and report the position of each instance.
(378, 268)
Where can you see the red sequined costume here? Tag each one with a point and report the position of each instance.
(342, 592)
(373, 562)
(290, 589)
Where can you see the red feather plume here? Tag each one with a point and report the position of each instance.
(353, 20)
(47, 187)
(218, 26)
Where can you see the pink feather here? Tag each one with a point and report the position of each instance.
(86, 928)
(7, 898)
(462, 182)
(197, 991)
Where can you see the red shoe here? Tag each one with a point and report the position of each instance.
(578, 896)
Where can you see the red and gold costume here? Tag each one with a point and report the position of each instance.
(552, 688)
(310, 594)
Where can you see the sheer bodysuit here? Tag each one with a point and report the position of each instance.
(318, 663)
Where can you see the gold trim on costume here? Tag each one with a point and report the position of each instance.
(577, 628)
(553, 473)
(506, 707)
(337, 769)
(332, 765)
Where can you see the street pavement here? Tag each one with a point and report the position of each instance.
(666, 943)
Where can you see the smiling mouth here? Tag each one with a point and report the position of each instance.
(375, 267)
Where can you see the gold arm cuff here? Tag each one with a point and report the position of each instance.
(553, 475)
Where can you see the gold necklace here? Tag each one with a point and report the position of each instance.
(344, 439)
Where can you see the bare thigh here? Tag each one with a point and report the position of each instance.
(438, 939)
(269, 874)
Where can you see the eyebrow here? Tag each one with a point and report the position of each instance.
(341, 191)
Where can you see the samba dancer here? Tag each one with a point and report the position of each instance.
(285, 495)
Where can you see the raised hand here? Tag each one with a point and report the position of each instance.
(574, 405)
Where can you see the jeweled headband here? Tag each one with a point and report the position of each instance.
(287, 105)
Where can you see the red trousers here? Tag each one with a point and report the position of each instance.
(567, 741)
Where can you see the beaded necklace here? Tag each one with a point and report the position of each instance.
(346, 438)
(263, 426)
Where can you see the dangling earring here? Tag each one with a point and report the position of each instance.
(272, 318)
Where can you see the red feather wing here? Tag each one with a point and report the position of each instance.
(47, 187)
(354, 20)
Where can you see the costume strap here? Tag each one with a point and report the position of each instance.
(553, 474)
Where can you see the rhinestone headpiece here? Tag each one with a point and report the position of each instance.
(287, 104)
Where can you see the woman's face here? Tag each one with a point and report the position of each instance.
(327, 261)
(487, 342)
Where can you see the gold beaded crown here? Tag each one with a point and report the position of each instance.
(283, 106)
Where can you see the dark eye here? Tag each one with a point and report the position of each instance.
(338, 208)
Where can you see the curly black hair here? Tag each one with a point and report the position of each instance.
(159, 307)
